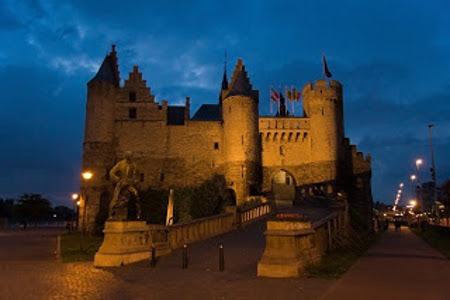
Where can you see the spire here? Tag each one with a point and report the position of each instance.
(109, 70)
(225, 80)
(240, 83)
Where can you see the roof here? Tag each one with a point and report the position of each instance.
(208, 112)
(107, 71)
(175, 115)
(241, 85)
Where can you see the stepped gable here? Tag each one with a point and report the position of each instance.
(109, 70)
(208, 112)
(240, 83)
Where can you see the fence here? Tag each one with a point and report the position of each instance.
(250, 214)
(177, 235)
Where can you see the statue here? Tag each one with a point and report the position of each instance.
(126, 177)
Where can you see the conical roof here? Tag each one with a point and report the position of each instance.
(109, 70)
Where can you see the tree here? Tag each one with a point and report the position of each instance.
(63, 213)
(34, 207)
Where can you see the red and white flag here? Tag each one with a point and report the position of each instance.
(274, 96)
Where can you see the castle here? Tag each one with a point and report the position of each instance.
(286, 158)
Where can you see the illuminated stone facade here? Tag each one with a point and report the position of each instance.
(307, 155)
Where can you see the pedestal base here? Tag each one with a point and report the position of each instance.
(289, 247)
(125, 242)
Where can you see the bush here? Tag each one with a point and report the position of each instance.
(189, 202)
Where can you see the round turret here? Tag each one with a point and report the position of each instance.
(324, 106)
(241, 135)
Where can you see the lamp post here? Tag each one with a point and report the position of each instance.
(419, 162)
(433, 173)
(75, 198)
(86, 176)
(413, 177)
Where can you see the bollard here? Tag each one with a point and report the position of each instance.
(185, 258)
(221, 258)
(153, 260)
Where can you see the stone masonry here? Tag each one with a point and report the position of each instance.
(228, 138)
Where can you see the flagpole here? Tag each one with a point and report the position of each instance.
(279, 101)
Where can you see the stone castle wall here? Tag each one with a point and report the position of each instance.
(247, 149)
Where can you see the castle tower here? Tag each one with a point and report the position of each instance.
(242, 147)
(98, 151)
(323, 104)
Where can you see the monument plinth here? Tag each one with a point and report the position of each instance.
(125, 242)
(289, 245)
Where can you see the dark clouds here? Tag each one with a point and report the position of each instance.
(391, 57)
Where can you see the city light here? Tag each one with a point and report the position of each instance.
(75, 196)
(413, 203)
(87, 175)
(413, 177)
(419, 162)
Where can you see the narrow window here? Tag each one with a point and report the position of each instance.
(242, 140)
(216, 146)
(132, 113)
(161, 177)
(142, 177)
(268, 124)
(288, 180)
(242, 171)
(132, 96)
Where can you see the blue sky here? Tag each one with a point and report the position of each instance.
(391, 57)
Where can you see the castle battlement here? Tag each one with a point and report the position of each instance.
(277, 123)
(324, 89)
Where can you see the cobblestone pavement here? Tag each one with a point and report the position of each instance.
(202, 280)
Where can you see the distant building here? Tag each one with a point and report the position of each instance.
(287, 158)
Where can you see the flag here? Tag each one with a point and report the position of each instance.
(296, 94)
(288, 94)
(326, 72)
(274, 96)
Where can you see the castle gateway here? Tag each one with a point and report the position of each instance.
(289, 159)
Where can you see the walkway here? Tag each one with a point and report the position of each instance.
(399, 266)
(202, 280)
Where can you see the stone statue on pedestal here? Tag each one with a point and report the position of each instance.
(125, 176)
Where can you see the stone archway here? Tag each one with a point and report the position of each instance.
(283, 188)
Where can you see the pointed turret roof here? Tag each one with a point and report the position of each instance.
(240, 83)
(109, 70)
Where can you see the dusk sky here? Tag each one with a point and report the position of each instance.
(391, 56)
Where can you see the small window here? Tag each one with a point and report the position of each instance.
(132, 114)
(161, 177)
(216, 146)
(132, 96)
(142, 177)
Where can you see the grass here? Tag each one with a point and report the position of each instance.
(70, 247)
(438, 238)
(336, 263)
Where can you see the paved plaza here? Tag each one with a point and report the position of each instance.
(399, 266)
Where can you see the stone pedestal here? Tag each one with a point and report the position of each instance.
(125, 242)
(289, 248)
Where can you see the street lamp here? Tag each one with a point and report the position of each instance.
(433, 173)
(419, 162)
(76, 199)
(87, 175)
